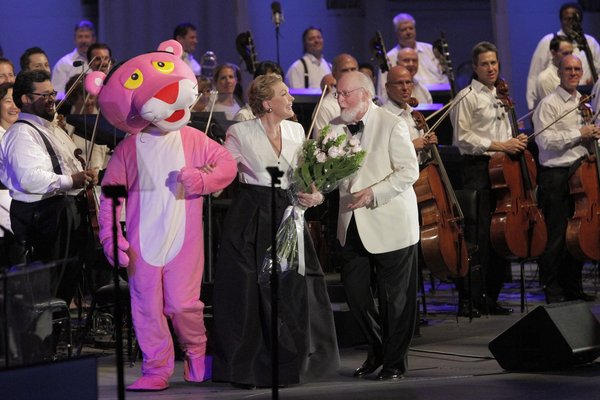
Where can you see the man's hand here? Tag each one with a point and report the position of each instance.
(84, 178)
(363, 198)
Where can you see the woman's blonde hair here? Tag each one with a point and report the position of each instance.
(261, 89)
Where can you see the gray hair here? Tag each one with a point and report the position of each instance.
(403, 17)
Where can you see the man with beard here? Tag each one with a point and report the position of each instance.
(374, 202)
(481, 128)
(46, 181)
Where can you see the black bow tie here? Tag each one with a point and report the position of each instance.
(355, 128)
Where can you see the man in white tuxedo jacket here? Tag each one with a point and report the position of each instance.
(378, 228)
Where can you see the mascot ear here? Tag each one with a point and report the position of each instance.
(94, 82)
(171, 46)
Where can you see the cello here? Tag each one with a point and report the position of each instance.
(379, 53)
(517, 228)
(583, 229)
(442, 240)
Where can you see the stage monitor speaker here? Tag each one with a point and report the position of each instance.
(550, 337)
(74, 378)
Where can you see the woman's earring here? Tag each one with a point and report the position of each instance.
(270, 110)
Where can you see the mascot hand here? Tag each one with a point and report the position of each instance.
(192, 178)
(109, 251)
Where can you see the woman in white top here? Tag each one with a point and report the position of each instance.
(242, 322)
(9, 113)
(226, 80)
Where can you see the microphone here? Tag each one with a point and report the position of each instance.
(77, 63)
(277, 14)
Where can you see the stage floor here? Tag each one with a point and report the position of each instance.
(449, 360)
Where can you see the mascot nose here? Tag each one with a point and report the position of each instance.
(169, 93)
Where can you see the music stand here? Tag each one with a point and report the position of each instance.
(218, 124)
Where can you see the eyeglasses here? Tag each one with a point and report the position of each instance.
(344, 94)
(45, 96)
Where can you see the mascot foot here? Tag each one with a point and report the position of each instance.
(149, 383)
(197, 369)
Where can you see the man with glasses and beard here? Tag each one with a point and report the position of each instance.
(46, 182)
(374, 202)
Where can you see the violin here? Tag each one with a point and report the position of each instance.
(442, 240)
(442, 51)
(92, 203)
(518, 228)
(245, 47)
(583, 229)
(379, 53)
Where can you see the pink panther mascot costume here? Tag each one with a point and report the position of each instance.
(165, 166)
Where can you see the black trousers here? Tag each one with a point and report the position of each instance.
(475, 176)
(388, 328)
(559, 271)
(51, 230)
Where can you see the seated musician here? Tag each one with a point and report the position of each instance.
(562, 147)
(481, 128)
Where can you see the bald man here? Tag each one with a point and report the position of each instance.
(330, 109)
(409, 58)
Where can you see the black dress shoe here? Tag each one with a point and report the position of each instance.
(367, 368)
(463, 310)
(389, 374)
(497, 309)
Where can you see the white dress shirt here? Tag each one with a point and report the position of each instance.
(559, 145)
(546, 83)
(430, 71)
(25, 165)
(542, 57)
(63, 70)
(406, 116)
(192, 63)
(250, 147)
(317, 68)
(244, 114)
(478, 119)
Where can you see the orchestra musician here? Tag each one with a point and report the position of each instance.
(481, 127)
(399, 91)
(48, 211)
(561, 149)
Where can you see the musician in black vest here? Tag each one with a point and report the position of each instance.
(45, 179)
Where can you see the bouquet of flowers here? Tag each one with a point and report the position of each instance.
(324, 162)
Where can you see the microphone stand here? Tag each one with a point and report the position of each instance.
(114, 192)
(275, 175)
(277, 42)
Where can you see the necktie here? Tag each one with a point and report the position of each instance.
(355, 128)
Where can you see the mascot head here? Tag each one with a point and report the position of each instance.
(154, 88)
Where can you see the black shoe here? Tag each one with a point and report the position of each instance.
(367, 368)
(389, 374)
(463, 310)
(497, 309)
(554, 294)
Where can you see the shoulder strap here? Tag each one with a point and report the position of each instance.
(305, 72)
(51, 153)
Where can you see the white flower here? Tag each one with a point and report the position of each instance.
(354, 141)
(328, 138)
(321, 157)
(335, 152)
(356, 149)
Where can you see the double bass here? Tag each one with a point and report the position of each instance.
(379, 53)
(245, 47)
(583, 229)
(518, 229)
(442, 240)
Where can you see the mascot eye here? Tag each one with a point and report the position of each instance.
(135, 80)
(165, 67)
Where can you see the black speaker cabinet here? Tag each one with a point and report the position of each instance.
(550, 337)
(75, 378)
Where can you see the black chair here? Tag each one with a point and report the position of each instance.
(104, 299)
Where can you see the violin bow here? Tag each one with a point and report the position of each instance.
(79, 78)
(312, 124)
(583, 100)
(449, 107)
